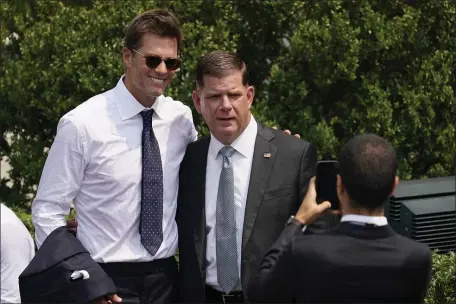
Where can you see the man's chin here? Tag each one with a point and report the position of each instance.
(156, 90)
(155, 93)
(226, 135)
(227, 131)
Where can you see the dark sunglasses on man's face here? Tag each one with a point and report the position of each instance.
(154, 61)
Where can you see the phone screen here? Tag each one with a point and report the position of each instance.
(326, 182)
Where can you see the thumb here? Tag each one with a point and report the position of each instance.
(311, 189)
(323, 206)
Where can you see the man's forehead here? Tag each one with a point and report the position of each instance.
(226, 82)
(222, 88)
(153, 44)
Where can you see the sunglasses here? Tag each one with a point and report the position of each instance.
(154, 61)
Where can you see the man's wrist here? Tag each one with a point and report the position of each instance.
(293, 221)
(302, 219)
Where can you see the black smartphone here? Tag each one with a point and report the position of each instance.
(326, 182)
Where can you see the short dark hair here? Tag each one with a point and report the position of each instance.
(367, 167)
(157, 21)
(220, 64)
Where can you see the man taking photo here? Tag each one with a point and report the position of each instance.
(361, 261)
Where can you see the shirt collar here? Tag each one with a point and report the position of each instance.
(244, 144)
(375, 220)
(128, 105)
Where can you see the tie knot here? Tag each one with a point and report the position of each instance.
(147, 114)
(227, 151)
(147, 119)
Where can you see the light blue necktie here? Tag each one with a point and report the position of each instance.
(225, 228)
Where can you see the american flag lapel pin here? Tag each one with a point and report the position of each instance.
(267, 155)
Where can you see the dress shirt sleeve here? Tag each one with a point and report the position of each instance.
(273, 283)
(60, 180)
(17, 250)
(193, 133)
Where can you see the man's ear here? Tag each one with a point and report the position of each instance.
(196, 100)
(340, 187)
(127, 57)
(396, 182)
(250, 95)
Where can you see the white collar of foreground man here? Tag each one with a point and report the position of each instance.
(364, 219)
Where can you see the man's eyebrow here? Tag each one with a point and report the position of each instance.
(211, 94)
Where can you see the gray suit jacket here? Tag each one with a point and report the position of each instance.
(277, 186)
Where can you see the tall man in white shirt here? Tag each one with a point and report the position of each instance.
(238, 186)
(17, 250)
(117, 158)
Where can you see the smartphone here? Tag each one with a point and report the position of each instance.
(326, 182)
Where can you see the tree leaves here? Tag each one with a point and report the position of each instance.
(372, 67)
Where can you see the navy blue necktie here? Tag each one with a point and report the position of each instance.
(151, 219)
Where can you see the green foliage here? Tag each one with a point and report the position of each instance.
(385, 67)
(442, 288)
(26, 218)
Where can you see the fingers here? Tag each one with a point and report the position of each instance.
(312, 181)
(108, 299)
(324, 206)
(311, 192)
(72, 226)
(114, 298)
(288, 132)
(72, 223)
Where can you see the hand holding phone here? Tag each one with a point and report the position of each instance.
(326, 182)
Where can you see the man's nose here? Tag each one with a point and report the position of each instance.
(161, 68)
(225, 103)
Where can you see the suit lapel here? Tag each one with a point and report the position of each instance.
(199, 176)
(262, 163)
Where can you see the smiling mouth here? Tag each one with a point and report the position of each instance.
(157, 80)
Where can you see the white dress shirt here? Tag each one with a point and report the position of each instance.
(364, 219)
(17, 250)
(96, 162)
(242, 164)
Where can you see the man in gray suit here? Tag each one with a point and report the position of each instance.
(238, 187)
